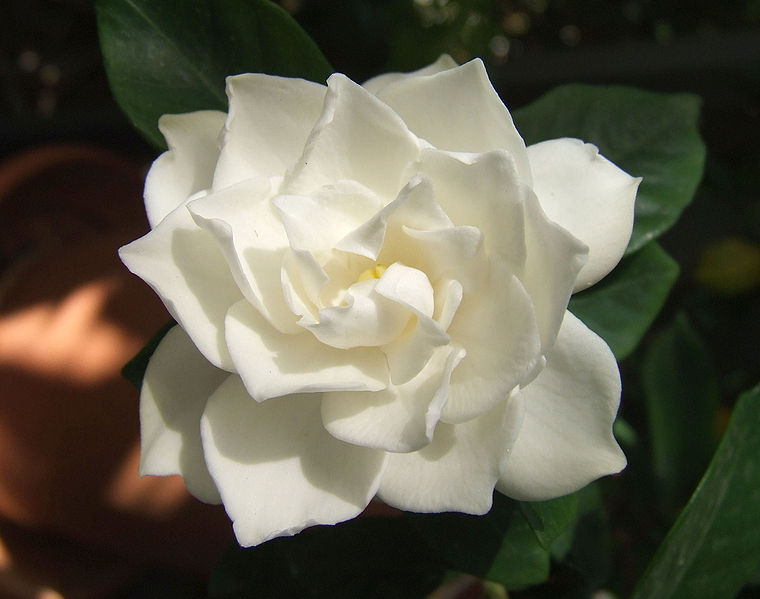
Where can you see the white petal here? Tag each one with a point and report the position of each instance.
(587, 195)
(498, 329)
(278, 471)
(366, 319)
(273, 364)
(414, 207)
(188, 166)
(407, 286)
(453, 253)
(375, 84)
(554, 258)
(319, 221)
(253, 240)
(303, 280)
(409, 352)
(448, 297)
(177, 384)
(482, 191)
(268, 123)
(185, 267)
(296, 295)
(458, 470)
(458, 110)
(566, 438)
(357, 137)
(398, 418)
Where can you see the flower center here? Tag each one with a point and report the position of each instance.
(372, 273)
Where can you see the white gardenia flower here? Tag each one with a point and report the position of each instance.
(371, 286)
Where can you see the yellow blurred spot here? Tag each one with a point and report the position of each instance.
(373, 273)
(516, 23)
(730, 266)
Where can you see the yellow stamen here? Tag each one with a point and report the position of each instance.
(373, 273)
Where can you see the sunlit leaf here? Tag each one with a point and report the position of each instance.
(647, 134)
(714, 547)
(172, 56)
(621, 307)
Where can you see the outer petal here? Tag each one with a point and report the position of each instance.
(458, 110)
(184, 266)
(458, 470)
(566, 439)
(498, 329)
(252, 238)
(273, 364)
(589, 196)
(399, 418)
(357, 137)
(553, 260)
(188, 166)
(268, 123)
(375, 84)
(177, 384)
(277, 469)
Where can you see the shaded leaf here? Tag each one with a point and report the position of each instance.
(372, 558)
(134, 370)
(681, 391)
(713, 548)
(510, 545)
(590, 547)
(622, 306)
(647, 134)
(549, 519)
(173, 56)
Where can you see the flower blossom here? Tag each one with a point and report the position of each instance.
(371, 288)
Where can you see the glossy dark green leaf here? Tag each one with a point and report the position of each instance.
(371, 558)
(621, 307)
(681, 391)
(587, 546)
(713, 548)
(549, 519)
(647, 134)
(134, 370)
(172, 56)
(510, 545)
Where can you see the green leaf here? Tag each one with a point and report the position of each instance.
(681, 390)
(172, 56)
(647, 134)
(510, 545)
(134, 370)
(371, 558)
(549, 519)
(713, 548)
(587, 546)
(622, 306)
